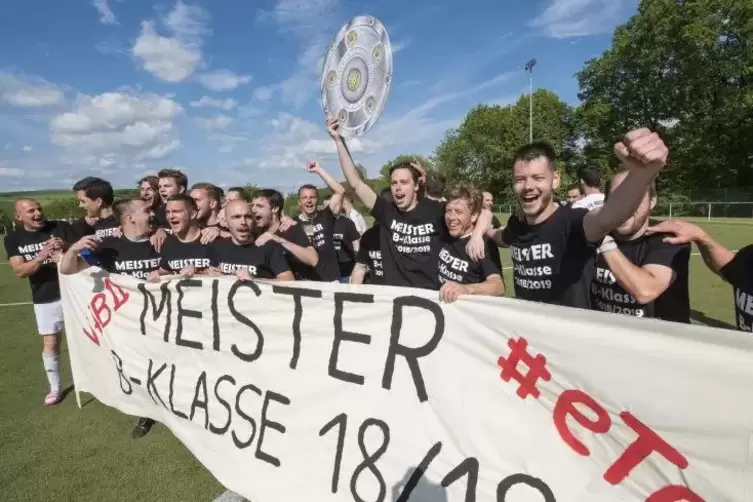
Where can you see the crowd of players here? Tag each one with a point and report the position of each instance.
(595, 251)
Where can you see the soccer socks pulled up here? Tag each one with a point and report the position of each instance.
(52, 368)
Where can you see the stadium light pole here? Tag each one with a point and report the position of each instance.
(529, 68)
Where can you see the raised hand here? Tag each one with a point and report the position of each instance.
(681, 232)
(333, 127)
(313, 167)
(642, 148)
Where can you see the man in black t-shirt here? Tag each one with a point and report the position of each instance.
(149, 191)
(458, 274)
(368, 268)
(32, 249)
(95, 196)
(412, 226)
(266, 209)
(130, 254)
(736, 268)
(345, 238)
(183, 251)
(640, 275)
(552, 246)
(318, 224)
(240, 256)
(208, 199)
(170, 182)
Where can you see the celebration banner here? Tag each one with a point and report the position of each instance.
(327, 392)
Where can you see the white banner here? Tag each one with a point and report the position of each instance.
(328, 392)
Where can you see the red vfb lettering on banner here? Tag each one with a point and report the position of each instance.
(102, 307)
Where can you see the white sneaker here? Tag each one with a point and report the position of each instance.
(53, 397)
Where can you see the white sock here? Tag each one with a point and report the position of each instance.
(52, 367)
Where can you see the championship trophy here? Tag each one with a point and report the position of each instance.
(357, 74)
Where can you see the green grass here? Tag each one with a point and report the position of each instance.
(67, 454)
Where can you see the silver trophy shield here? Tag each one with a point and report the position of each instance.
(357, 74)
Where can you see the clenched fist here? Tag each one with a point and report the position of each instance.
(642, 148)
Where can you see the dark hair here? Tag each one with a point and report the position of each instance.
(180, 178)
(152, 180)
(590, 176)
(435, 184)
(474, 197)
(122, 206)
(404, 165)
(574, 186)
(240, 190)
(96, 188)
(536, 150)
(275, 199)
(625, 170)
(308, 186)
(185, 199)
(213, 190)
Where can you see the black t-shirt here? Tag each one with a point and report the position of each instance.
(607, 295)
(121, 255)
(45, 287)
(301, 271)
(456, 266)
(320, 231)
(177, 255)
(550, 259)
(106, 227)
(265, 262)
(160, 217)
(345, 233)
(739, 273)
(495, 222)
(410, 242)
(370, 256)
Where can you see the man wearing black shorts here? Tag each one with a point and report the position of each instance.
(266, 209)
(552, 247)
(239, 255)
(31, 250)
(638, 274)
(130, 254)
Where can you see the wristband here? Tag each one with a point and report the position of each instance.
(607, 245)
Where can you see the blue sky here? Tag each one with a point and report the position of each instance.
(229, 90)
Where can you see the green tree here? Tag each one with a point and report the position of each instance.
(481, 150)
(384, 171)
(684, 69)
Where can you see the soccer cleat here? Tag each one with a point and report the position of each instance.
(53, 397)
(143, 426)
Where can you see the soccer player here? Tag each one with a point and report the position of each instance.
(171, 182)
(319, 224)
(368, 268)
(345, 238)
(412, 226)
(239, 255)
(736, 268)
(552, 246)
(489, 205)
(458, 274)
(95, 196)
(31, 248)
(590, 187)
(236, 193)
(266, 209)
(130, 254)
(183, 251)
(638, 274)
(149, 191)
(208, 199)
(573, 194)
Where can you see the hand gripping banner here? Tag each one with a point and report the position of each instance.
(339, 393)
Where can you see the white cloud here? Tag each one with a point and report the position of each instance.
(10, 172)
(263, 93)
(223, 80)
(173, 59)
(227, 142)
(106, 14)
(27, 91)
(27, 148)
(399, 46)
(217, 122)
(126, 125)
(578, 18)
(207, 102)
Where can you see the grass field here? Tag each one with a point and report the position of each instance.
(67, 454)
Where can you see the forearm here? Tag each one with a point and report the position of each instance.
(714, 255)
(306, 255)
(643, 286)
(358, 274)
(622, 203)
(26, 269)
(483, 223)
(71, 263)
(363, 191)
(495, 234)
(492, 286)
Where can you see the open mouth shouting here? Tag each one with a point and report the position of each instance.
(530, 199)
